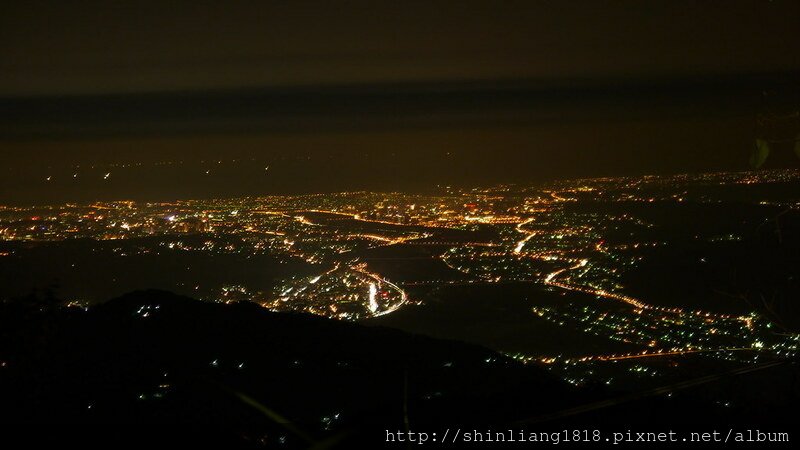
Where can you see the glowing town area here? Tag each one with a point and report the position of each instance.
(630, 273)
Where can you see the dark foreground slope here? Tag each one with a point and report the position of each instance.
(154, 368)
(153, 362)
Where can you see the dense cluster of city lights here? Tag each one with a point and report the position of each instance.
(494, 235)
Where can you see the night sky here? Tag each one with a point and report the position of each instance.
(246, 98)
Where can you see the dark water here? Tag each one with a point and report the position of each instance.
(498, 316)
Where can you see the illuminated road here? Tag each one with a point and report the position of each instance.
(403, 295)
(661, 353)
(550, 280)
(373, 295)
(528, 236)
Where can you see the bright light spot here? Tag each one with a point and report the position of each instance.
(373, 294)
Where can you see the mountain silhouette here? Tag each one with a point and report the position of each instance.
(155, 361)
